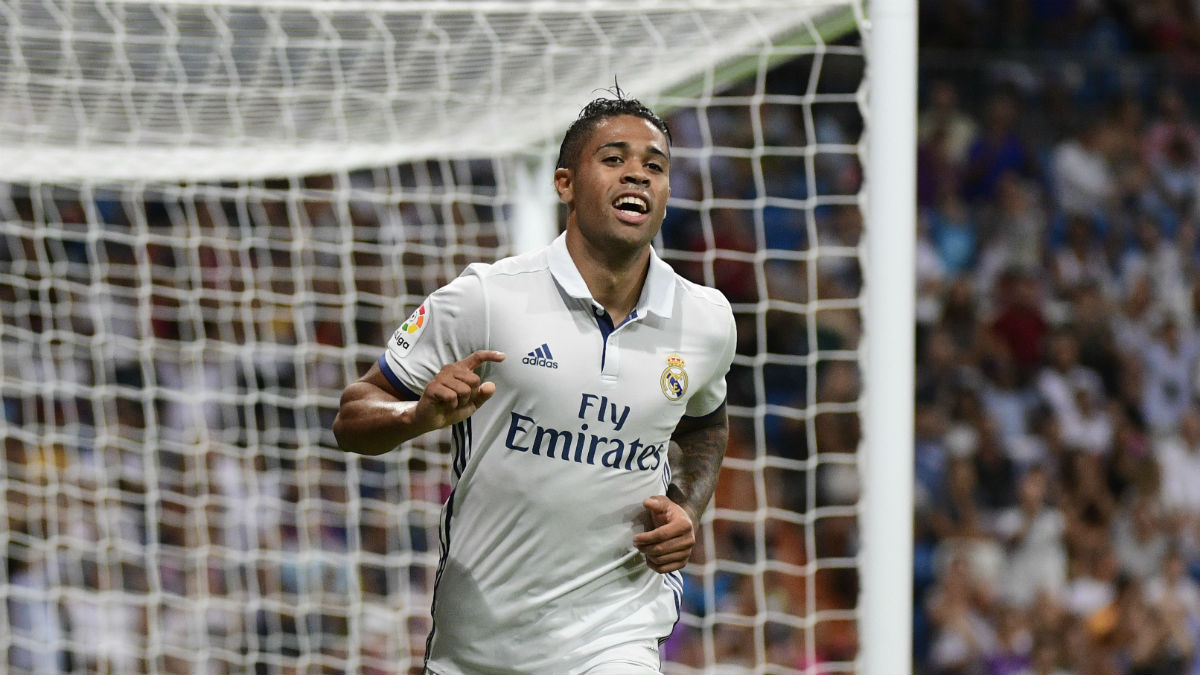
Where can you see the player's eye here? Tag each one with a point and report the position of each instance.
(654, 166)
(612, 159)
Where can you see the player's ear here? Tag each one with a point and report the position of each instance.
(564, 185)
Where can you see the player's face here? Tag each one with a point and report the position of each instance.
(618, 194)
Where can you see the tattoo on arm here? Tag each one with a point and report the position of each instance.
(696, 465)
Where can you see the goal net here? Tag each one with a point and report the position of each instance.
(212, 215)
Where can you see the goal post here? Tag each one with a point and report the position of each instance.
(889, 461)
(217, 210)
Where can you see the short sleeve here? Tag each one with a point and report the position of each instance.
(449, 325)
(709, 397)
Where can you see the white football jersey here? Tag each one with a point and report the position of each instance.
(538, 572)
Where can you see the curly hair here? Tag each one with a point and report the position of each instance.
(593, 113)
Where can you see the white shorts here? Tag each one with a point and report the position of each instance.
(623, 668)
(639, 658)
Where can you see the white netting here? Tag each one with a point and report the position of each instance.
(177, 90)
(172, 352)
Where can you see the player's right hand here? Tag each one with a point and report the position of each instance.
(456, 392)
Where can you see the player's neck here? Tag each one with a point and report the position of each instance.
(614, 281)
(618, 294)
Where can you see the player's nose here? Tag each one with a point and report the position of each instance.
(637, 176)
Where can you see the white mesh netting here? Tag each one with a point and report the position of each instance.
(225, 89)
(301, 175)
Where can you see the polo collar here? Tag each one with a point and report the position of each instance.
(658, 293)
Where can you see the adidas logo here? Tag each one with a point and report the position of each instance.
(541, 357)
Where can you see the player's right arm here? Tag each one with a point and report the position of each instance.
(411, 390)
(374, 418)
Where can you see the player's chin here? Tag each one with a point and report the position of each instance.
(627, 238)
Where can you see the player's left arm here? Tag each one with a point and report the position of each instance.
(697, 449)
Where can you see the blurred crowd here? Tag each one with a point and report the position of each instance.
(173, 501)
(1058, 379)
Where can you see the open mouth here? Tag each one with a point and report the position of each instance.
(632, 204)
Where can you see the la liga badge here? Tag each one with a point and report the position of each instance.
(407, 334)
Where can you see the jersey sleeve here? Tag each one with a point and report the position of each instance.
(449, 325)
(712, 394)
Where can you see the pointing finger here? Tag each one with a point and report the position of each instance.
(479, 357)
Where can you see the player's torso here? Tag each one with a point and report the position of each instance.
(604, 395)
(578, 431)
(561, 458)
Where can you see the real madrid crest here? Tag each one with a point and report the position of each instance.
(674, 378)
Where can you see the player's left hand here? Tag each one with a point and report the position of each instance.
(668, 543)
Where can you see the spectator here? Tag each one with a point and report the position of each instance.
(958, 515)
(953, 234)
(1047, 656)
(944, 115)
(1009, 404)
(1075, 394)
(1134, 324)
(937, 173)
(999, 148)
(1033, 532)
(1170, 193)
(962, 635)
(1138, 538)
(1081, 259)
(1092, 586)
(1090, 319)
(1153, 256)
(1088, 504)
(945, 375)
(1172, 584)
(1012, 652)
(1012, 228)
(960, 318)
(1168, 361)
(1084, 182)
(932, 456)
(996, 470)
(1172, 123)
(1178, 457)
(930, 274)
(1152, 639)
(944, 136)
(1019, 326)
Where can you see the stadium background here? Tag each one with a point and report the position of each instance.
(1057, 424)
(1057, 427)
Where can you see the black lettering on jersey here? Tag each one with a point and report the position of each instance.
(513, 427)
(555, 435)
(614, 453)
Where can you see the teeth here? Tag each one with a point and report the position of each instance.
(637, 202)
